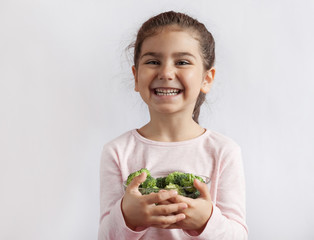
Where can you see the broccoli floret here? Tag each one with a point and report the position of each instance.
(187, 181)
(150, 182)
(135, 174)
(161, 182)
(199, 178)
(184, 180)
(172, 186)
(174, 177)
(146, 191)
(194, 195)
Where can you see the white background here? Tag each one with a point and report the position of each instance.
(66, 88)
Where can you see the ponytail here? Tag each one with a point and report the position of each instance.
(196, 112)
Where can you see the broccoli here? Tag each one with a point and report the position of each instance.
(161, 182)
(135, 174)
(200, 179)
(187, 181)
(150, 182)
(193, 195)
(179, 181)
(172, 186)
(174, 177)
(146, 191)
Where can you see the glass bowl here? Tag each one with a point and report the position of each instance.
(190, 192)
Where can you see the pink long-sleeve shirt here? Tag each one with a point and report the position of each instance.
(210, 154)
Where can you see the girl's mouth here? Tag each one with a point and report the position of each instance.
(167, 91)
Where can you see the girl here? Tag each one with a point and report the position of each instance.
(173, 70)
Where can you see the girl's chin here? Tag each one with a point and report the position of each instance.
(164, 109)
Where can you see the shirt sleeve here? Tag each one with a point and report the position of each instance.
(112, 224)
(227, 221)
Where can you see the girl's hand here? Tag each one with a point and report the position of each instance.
(198, 212)
(141, 211)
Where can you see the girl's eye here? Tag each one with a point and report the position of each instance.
(153, 62)
(183, 62)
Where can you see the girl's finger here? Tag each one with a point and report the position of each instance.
(165, 221)
(182, 199)
(202, 188)
(136, 182)
(168, 201)
(168, 209)
(160, 196)
(165, 202)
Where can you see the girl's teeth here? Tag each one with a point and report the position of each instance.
(166, 92)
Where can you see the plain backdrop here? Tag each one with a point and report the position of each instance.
(66, 89)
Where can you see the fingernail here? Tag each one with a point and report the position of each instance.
(184, 206)
(173, 193)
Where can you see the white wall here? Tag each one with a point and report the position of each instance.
(66, 89)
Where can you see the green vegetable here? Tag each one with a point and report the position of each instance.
(200, 179)
(161, 182)
(145, 191)
(172, 186)
(194, 195)
(179, 181)
(150, 182)
(187, 181)
(135, 174)
(174, 177)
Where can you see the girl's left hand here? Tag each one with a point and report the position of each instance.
(199, 210)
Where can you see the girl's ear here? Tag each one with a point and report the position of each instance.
(135, 78)
(208, 80)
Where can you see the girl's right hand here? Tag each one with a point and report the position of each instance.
(141, 211)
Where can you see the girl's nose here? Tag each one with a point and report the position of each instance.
(166, 73)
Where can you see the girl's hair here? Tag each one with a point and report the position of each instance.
(207, 44)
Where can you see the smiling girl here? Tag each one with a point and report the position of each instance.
(173, 70)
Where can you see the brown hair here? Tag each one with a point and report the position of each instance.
(207, 44)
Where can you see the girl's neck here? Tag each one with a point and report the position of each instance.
(171, 129)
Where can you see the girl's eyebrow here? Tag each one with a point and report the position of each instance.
(152, 54)
(176, 54)
(183, 54)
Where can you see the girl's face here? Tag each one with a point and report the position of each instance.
(170, 72)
